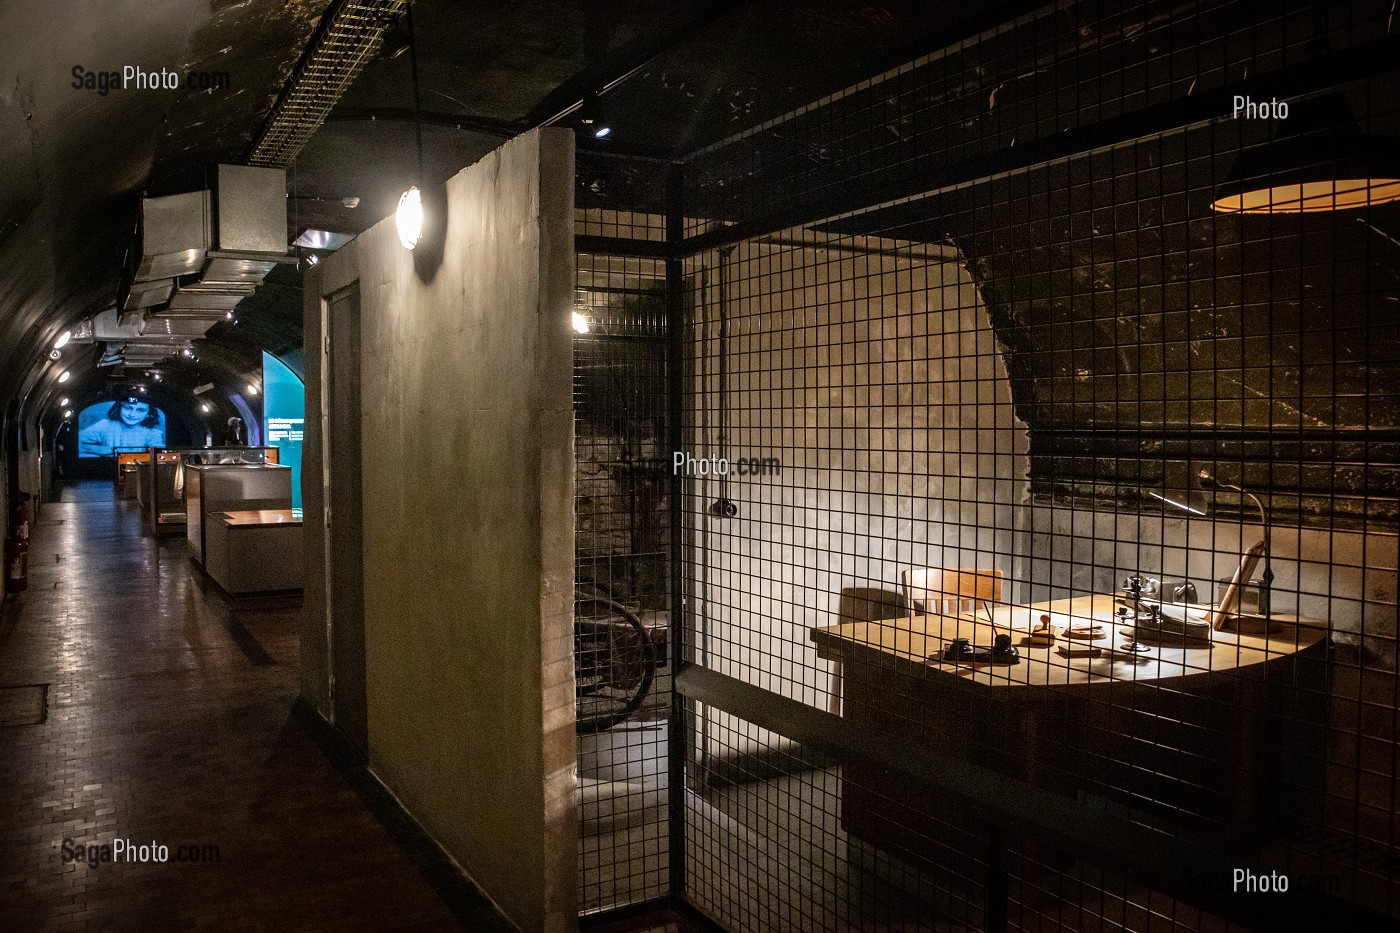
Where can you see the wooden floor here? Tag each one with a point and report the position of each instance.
(170, 720)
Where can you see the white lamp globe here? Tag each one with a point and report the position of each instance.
(408, 219)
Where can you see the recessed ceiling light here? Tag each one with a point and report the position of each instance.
(64, 376)
(63, 402)
(312, 238)
(204, 408)
(62, 340)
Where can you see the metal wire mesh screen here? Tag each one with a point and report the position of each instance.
(1069, 488)
(622, 573)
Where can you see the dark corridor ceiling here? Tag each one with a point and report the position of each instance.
(1084, 101)
(74, 162)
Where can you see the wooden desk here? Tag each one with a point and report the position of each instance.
(1226, 735)
(253, 518)
(909, 643)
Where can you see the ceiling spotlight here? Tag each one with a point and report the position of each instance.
(204, 408)
(68, 414)
(408, 219)
(252, 389)
(601, 131)
(156, 376)
(64, 376)
(228, 315)
(62, 340)
(141, 389)
(55, 355)
(351, 202)
(580, 323)
(188, 352)
(312, 259)
(396, 40)
(63, 402)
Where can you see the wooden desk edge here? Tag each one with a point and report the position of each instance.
(835, 643)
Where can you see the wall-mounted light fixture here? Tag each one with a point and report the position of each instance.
(408, 216)
(581, 324)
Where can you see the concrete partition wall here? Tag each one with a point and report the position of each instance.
(467, 439)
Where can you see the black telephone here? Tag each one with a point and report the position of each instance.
(962, 651)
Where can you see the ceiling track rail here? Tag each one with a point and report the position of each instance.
(348, 37)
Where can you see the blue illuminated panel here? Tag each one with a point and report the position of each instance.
(284, 417)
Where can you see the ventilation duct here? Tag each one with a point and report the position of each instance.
(200, 254)
(349, 36)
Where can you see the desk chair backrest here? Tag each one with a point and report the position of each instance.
(928, 589)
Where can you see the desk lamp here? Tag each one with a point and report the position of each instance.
(1210, 482)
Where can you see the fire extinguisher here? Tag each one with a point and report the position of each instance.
(16, 565)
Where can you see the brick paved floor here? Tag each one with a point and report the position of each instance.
(170, 719)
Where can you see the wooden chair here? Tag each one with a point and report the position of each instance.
(949, 592)
(861, 604)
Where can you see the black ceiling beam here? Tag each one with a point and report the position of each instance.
(622, 246)
(930, 43)
(625, 62)
(1317, 75)
(486, 126)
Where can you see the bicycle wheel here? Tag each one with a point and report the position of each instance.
(614, 663)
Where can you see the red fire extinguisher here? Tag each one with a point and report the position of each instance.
(16, 565)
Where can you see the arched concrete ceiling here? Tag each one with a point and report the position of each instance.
(74, 162)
